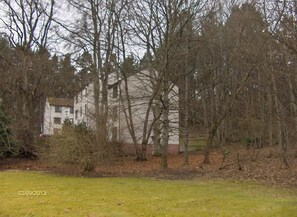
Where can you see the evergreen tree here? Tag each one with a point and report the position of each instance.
(7, 147)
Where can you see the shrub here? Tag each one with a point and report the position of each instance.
(74, 145)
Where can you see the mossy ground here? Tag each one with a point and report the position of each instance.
(78, 196)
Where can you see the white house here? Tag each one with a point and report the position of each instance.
(56, 111)
(84, 109)
(84, 106)
(140, 91)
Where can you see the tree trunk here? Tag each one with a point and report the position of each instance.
(292, 101)
(282, 131)
(205, 114)
(129, 118)
(186, 121)
(104, 108)
(165, 132)
(211, 135)
(156, 131)
(270, 109)
(96, 67)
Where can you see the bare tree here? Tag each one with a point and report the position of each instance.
(281, 16)
(228, 60)
(159, 32)
(27, 27)
(95, 31)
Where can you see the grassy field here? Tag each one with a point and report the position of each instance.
(196, 143)
(75, 196)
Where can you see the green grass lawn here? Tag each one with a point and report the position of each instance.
(75, 196)
(196, 143)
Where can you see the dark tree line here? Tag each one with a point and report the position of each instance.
(234, 64)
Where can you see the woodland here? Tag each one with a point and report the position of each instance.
(234, 63)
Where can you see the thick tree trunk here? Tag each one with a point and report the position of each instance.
(143, 151)
(26, 129)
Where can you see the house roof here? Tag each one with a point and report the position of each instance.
(60, 102)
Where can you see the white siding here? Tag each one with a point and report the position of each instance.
(49, 125)
(84, 106)
(140, 90)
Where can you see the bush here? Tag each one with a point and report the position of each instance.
(74, 145)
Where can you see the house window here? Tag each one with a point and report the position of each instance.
(71, 110)
(114, 113)
(57, 121)
(76, 114)
(58, 109)
(115, 92)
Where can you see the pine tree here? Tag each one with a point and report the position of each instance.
(6, 146)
